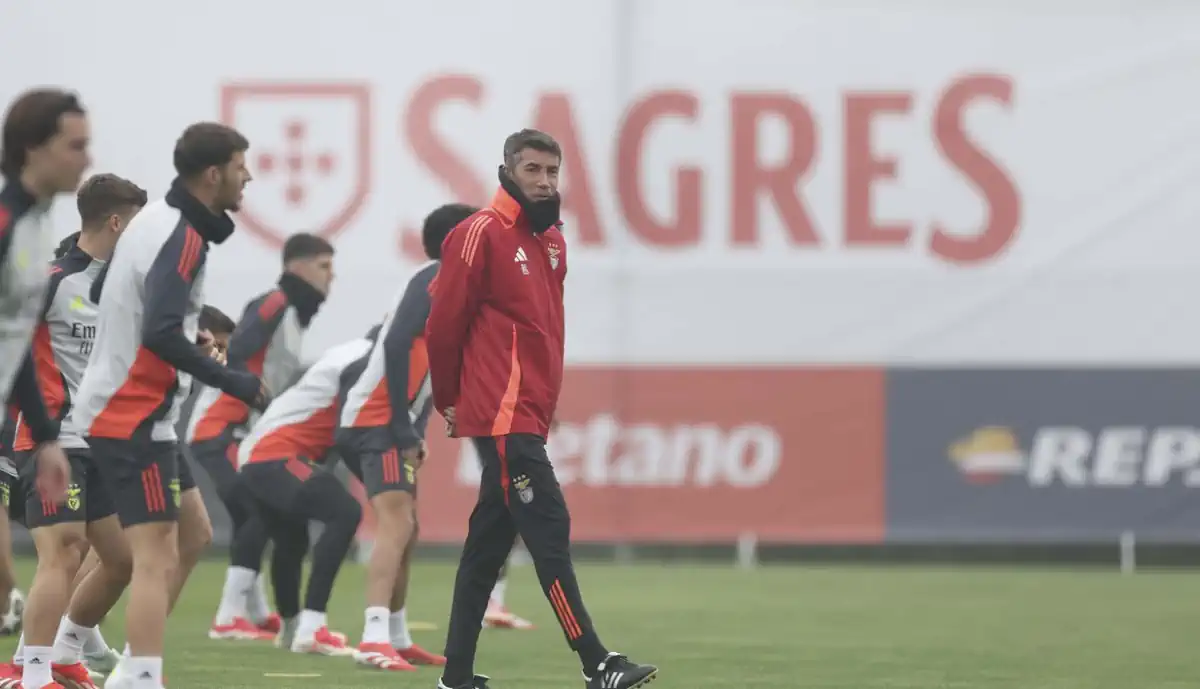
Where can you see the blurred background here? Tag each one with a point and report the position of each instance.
(843, 275)
(902, 280)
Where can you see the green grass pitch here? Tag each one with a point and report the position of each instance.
(718, 628)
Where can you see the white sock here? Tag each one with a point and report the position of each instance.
(127, 653)
(68, 643)
(36, 672)
(375, 629)
(146, 672)
(398, 630)
(94, 644)
(256, 602)
(239, 583)
(19, 654)
(310, 622)
(498, 591)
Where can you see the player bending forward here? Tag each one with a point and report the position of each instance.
(268, 341)
(381, 439)
(282, 468)
(146, 353)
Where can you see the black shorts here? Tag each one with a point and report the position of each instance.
(218, 456)
(288, 493)
(380, 472)
(88, 499)
(10, 493)
(280, 484)
(144, 478)
(186, 480)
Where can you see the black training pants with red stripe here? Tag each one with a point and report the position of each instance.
(518, 494)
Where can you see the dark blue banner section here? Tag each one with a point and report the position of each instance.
(1043, 455)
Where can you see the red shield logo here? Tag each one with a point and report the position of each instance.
(310, 154)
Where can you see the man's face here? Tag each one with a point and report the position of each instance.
(536, 174)
(316, 271)
(59, 164)
(232, 179)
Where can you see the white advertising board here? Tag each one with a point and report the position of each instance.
(748, 182)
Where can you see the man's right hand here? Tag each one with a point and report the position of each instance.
(53, 472)
(448, 414)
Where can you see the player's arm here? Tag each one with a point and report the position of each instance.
(408, 323)
(33, 407)
(456, 295)
(168, 288)
(254, 332)
(27, 395)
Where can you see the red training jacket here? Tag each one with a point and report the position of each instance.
(495, 329)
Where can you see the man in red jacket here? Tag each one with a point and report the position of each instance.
(495, 343)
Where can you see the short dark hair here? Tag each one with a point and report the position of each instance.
(305, 245)
(31, 121)
(529, 138)
(105, 194)
(207, 144)
(215, 321)
(439, 223)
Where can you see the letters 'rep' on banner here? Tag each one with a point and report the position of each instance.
(1043, 455)
(697, 455)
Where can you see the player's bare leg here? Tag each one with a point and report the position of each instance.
(192, 536)
(58, 553)
(109, 568)
(498, 616)
(155, 550)
(8, 576)
(398, 620)
(10, 673)
(91, 560)
(195, 536)
(395, 523)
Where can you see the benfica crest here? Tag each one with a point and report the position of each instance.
(553, 252)
(310, 155)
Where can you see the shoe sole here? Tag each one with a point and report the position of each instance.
(238, 636)
(645, 680)
(388, 667)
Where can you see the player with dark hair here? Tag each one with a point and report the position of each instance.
(150, 296)
(267, 342)
(381, 440)
(62, 343)
(495, 337)
(43, 153)
(218, 325)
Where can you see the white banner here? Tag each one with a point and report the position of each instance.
(746, 181)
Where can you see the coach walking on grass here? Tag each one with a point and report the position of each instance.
(495, 345)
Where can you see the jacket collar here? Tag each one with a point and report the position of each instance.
(16, 198)
(306, 298)
(510, 204)
(213, 227)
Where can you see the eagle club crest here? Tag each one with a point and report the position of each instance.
(553, 251)
(73, 500)
(524, 490)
